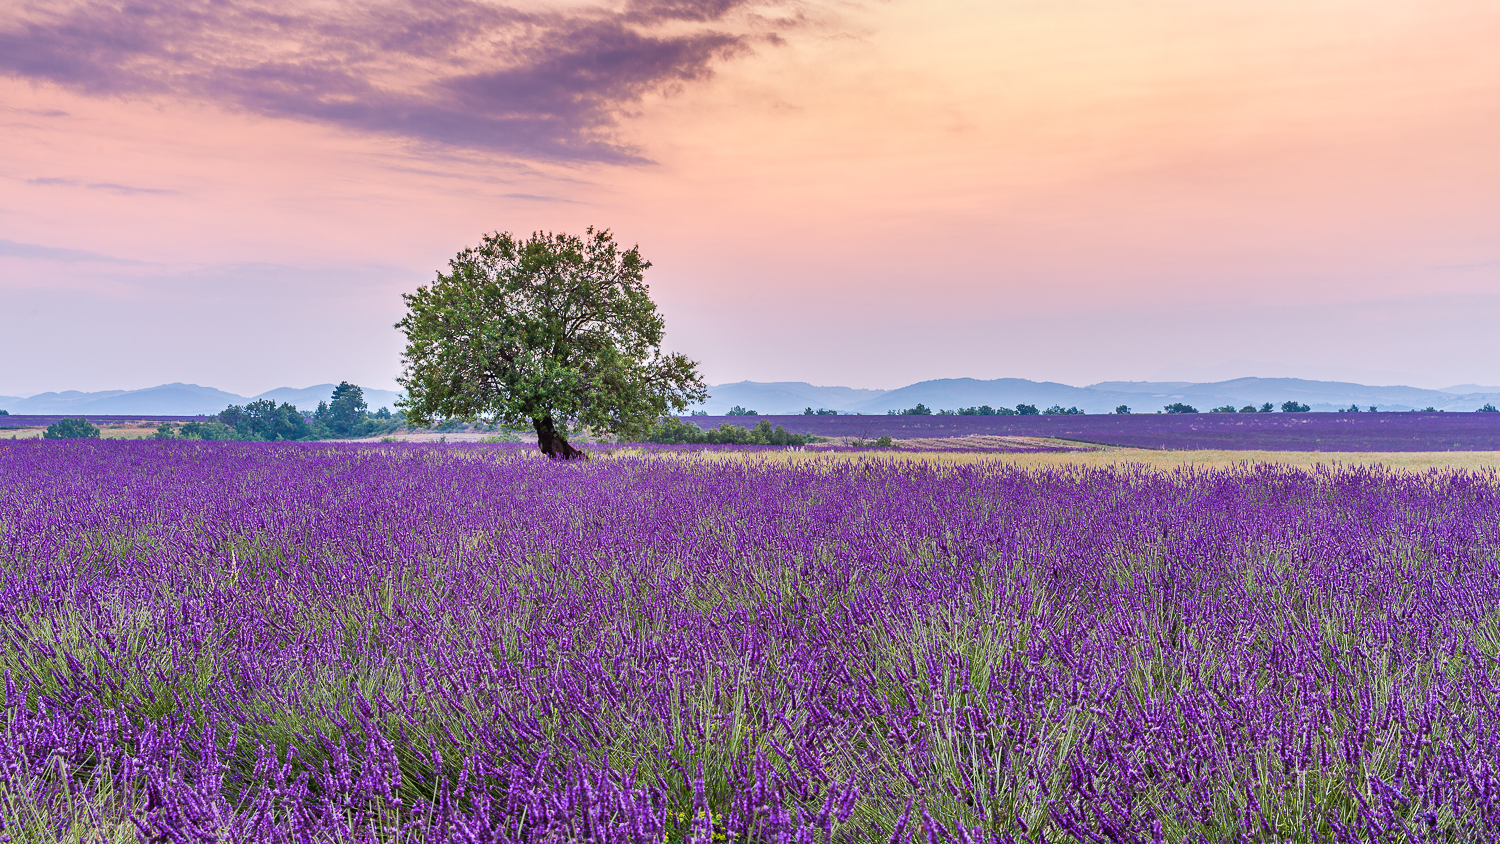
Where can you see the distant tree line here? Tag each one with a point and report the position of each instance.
(345, 415)
(670, 430)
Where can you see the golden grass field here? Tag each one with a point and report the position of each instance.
(121, 431)
(1109, 455)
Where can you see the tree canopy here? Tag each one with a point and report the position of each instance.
(555, 331)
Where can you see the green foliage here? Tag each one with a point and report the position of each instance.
(1294, 407)
(210, 430)
(4, 412)
(1059, 410)
(1429, 409)
(72, 428)
(1249, 408)
(346, 410)
(919, 410)
(1228, 408)
(947, 413)
(741, 411)
(1488, 408)
(1123, 410)
(264, 420)
(985, 410)
(1027, 410)
(822, 411)
(557, 332)
(1179, 407)
(1353, 408)
(672, 430)
(1266, 408)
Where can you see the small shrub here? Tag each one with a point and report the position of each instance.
(1179, 407)
(1249, 408)
(1027, 410)
(1228, 408)
(741, 411)
(1059, 410)
(1294, 407)
(72, 428)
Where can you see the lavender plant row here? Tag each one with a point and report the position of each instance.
(314, 642)
(1237, 431)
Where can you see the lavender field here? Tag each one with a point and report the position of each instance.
(1346, 432)
(313, 642)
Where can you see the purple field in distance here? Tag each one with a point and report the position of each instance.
(246, 642)
(40, 421)
(1226, 431)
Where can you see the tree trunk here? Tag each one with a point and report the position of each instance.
(553, 444)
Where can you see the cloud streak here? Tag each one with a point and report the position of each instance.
(35, 251)
(111, 187)
(544, 85)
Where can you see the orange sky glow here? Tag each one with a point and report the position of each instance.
(866, 194)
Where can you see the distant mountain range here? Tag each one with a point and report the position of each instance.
(781, 397)
(1140, 396)
(174, 400)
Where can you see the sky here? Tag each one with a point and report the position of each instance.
(842, 192)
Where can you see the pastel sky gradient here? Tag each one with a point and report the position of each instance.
(860, 193)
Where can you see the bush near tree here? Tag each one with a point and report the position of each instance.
(742, 411)
(1294, 407)
(1059, 410)
(985, 410)
(1179, 407)
(1027, 410)
(71, 428)
(919, 410)
(1228, 408)
(1123, 410)
(1488, 408)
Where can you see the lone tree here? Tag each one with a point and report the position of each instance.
(556, 331)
